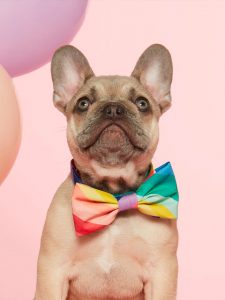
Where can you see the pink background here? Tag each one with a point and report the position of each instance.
(113, 35)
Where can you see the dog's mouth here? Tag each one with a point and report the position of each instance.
(112, 135)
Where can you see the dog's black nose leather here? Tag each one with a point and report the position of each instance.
(114, 110)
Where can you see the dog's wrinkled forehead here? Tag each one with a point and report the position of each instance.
(112, 88)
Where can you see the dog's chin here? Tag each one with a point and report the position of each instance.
(112, 146)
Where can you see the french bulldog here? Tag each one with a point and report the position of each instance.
(112, 133)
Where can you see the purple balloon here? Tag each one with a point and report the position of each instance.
(31, 30)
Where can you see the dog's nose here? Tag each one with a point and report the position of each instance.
(114, 110)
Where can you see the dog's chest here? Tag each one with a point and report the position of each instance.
(113, 261)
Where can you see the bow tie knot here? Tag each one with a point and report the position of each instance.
(128, 202)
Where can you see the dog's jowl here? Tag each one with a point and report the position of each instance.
(110, 231)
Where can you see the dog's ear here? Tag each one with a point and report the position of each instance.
(70, 69)
(154, 70)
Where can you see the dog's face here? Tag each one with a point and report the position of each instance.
(112, 120)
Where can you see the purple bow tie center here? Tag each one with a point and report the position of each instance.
(128, 202)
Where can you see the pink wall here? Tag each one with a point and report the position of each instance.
(113, 35)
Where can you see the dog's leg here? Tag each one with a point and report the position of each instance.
(57, 247)
(52, 280)
(163, 282)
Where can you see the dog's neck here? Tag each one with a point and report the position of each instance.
(113, 180)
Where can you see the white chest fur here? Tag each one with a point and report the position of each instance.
(106, 259)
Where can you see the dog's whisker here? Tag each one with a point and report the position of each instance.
(60, 129)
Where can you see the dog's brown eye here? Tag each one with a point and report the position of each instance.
(83, 104)
(142, 103)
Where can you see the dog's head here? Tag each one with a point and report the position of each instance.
(112, 121)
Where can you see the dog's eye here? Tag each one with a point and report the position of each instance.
(83, 104)
(142, 103)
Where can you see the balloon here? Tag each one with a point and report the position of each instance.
(10, 129)
(31, 30)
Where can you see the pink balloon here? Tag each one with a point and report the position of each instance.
(10, 129)
(31, 30)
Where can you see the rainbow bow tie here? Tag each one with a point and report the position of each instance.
(94, 209)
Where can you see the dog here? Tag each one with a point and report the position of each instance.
(112, 133)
